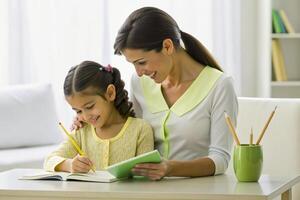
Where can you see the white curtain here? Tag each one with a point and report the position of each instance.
(41, 40)
(226, 37)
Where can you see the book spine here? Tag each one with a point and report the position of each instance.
(275, 22)
(282, 27)
(286, 22)
(282, 62)
(278, 62)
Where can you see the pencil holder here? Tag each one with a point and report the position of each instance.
(248, 162)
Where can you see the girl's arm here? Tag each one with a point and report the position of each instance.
(64, 151)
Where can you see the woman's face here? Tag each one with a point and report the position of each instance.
(156, 65)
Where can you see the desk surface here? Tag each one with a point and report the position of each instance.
(223, 187)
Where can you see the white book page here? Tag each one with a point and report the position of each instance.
(45, 176)
(98, 176)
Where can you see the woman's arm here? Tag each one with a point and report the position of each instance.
(191, 168)
(221, 141)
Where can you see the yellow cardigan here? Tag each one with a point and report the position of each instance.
(135, 138)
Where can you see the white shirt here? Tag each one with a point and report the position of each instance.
(194, 126)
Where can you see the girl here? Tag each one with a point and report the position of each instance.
(112, 134)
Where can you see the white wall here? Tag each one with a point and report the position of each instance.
(255, 47)
(41, 40)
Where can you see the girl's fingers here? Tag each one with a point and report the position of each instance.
(80, 167)
(81, 164)
(84, 160)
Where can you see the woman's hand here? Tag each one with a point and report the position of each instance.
(154, 171)
(77, 123)
(80, 164)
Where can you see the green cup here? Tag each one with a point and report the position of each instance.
(247, 162)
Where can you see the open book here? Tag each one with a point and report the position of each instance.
(113, 173)
(98, 176)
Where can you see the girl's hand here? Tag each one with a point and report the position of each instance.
(81, 164)
(154, 171)
(77, 123)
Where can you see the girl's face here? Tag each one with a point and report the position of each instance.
(93, 109)
(156, 65)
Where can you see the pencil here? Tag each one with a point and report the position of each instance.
(231, 128)
(265, 127)
(74, 143)
(251, 137)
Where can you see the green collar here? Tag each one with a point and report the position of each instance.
(198, 90)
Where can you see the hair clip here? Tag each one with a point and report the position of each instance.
(109, 68)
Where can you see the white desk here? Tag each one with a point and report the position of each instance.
(223, 187)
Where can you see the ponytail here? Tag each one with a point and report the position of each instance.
(198, 51)
(122, 103)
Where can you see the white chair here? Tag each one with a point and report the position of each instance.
(28, 125)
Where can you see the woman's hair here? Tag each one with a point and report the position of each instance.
(147, 27)
(96, 78)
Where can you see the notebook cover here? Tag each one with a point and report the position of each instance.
(123, 169)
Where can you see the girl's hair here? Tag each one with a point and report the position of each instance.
(96, 78)
(147, 27)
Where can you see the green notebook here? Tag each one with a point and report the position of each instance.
(123, 169)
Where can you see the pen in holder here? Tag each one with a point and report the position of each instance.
(247, 158)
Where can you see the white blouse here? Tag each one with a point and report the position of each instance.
(195, 125)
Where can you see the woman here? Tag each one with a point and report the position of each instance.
(182, 92)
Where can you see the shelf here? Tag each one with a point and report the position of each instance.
(285, 83)
(285, 53)
(286, 35)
